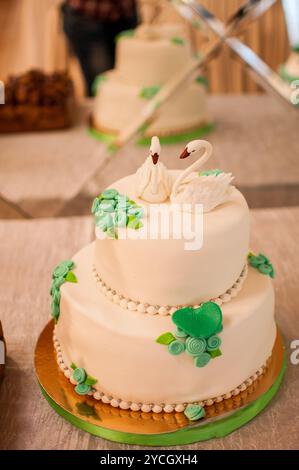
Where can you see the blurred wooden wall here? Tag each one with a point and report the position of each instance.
(30, 36)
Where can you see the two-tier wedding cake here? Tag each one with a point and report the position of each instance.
(144, 321)
(146, 59)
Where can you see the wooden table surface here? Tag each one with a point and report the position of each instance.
(255, 138)
(28, 252)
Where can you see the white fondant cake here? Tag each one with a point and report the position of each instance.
(146, 323)
(146, 61)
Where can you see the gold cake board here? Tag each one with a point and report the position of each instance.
(156, 429)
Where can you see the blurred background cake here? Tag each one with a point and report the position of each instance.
(146, 59)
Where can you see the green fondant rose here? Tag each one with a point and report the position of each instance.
(56, 296)
(213, 343)
(104, 221)
(107, 205)
(95, 205)
(195, 346)
(60, 271)
(120, 219)
(202, 360)
(194, 412)
(180, 333)
(176, 347)
(262, 263)
(203, 321)
(109, 194)
(79, 375)
(82, 389)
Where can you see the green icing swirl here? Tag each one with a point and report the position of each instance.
(79, 375)
(202, 360)
(213, 343)
(60, 271)
(107, 206)
(176, 347)
(194, 412)
(82, 389)
(179, 333)
(195, 346)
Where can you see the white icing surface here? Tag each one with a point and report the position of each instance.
(118, 102)
(176, 276)
(118, 346)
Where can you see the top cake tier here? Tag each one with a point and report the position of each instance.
(151, 56)
(162, 272)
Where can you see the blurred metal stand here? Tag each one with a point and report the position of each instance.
(291, 13)
(192, 11)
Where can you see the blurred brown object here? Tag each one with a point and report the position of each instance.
(37, 101)
(2, 353)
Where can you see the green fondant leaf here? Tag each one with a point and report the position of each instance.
(90, 380)
(201, 80)
(166, 338)
(178, 40)
(134, 222)
(203, 321)
(97, 82)
(149, 92)
(73, 366)
(128, 33)
(112, 233)
(70, 277)
(215, 353)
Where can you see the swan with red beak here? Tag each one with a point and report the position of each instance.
(153, 182)
(210, 188)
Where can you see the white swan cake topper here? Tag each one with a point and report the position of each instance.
(209, 188)
(153, 182)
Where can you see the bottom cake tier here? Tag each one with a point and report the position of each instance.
(118, 347)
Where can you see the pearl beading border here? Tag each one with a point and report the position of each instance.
(133, 305)
(148, 407)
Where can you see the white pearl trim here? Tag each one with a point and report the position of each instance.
(155, 407)
(133, 305)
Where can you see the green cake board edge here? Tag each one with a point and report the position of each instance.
(108, 139)
(195, 433)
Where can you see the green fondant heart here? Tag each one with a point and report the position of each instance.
(203, 321)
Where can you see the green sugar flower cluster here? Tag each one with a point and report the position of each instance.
(84, 382)
(262, 263)
(113, 210)
(196, 333)
(61, 274)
